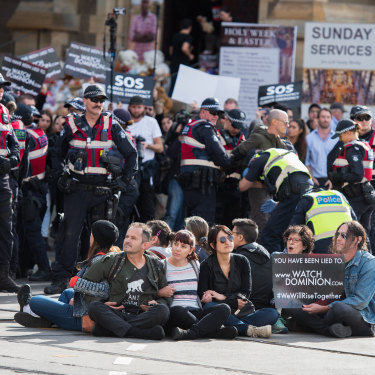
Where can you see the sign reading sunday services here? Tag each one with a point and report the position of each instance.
(300, 279)
(85, 61)
(25, 77)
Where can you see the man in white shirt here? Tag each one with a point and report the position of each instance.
(148, 128)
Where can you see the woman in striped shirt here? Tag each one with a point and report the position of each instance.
(187, 318)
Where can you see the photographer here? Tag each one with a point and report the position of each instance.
(174, 216)
(149, 129)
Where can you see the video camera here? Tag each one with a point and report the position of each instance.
(181, 118)
(138, 141)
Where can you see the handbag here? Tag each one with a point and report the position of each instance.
(248, 309)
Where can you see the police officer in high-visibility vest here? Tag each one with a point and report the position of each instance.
(323, 211)
(87, 183)
(287, 178)
(9, 158)
(229, 199)
(202, 155)
(351, 171)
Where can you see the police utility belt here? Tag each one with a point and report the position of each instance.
(204, 179)
(67, 184)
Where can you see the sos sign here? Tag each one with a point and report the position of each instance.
(129, 82)
(288, 94)
(280, 89)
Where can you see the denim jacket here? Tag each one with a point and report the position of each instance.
(360, 285)
(83, 287)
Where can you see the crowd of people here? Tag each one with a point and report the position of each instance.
(144, 203)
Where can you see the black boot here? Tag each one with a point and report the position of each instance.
(183, 334)
(226, 333)
(41, 275)
(56, 287)
(154, 333)
(30, 321)
(6, 283)
(24, 296)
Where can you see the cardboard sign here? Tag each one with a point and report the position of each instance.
(127, 85)
(289, 94)
(25, 77)
(46, 58)
(300, 279)
(85, 61)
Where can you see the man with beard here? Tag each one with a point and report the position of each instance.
(146, 131)
(355, 314)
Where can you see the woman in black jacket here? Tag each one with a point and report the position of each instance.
(226, 278)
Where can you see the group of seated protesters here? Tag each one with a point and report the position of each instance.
(152, 289)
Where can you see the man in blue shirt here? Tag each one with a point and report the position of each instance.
(319, 144)
(354, 315)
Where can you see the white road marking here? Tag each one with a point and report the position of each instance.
(136, 347)
(122, 361)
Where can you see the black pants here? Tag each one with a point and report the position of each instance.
(110, 322)
(146, 200)
(14, 264)
(202, 322)
(338, 313)
(228, 202)
(198, 204)
(6, 237)
(76, 207)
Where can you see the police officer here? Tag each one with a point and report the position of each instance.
(229, 198)
(285, 177)
(75, 106)
(351, 171)
(323, 211)
(9, 158)
(87, 183)
(202, 155)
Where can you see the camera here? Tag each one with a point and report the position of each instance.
(138, 141)
(181, 118)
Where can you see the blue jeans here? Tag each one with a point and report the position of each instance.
(57, 312)
(174, 216)
(259, 318)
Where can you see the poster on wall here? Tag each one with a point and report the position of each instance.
(339, 64)
(145, 23)
(259, 55)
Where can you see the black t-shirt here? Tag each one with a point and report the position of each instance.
(137, 284)
(178, 57)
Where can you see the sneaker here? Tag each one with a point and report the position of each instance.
(30, 321)
(24, 296)
(339, 330)
(56, 287)
(264, 331)
(279, 327)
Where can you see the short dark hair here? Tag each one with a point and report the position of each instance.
(305, 233)
(185, 23)
(162, 230)
(248, 228)
(314, 105)
(212, 236)
(146, 231)
(324, 109)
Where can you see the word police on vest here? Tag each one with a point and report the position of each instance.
(333, 199)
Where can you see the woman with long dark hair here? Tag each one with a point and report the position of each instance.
(225, 278)
(297, 132)
(69, 311)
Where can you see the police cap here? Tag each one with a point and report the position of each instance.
(236, 117)
(93, 91)
(359, 110)
(23, 113)
(343, 126)
(76, 103)
(3, 82)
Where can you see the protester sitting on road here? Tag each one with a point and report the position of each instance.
(298, 239)
(226, 278)
(199, 227)
(69, 311)
(355, 314)
(188, 320)
(160, 238)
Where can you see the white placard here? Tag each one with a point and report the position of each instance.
(192, 85)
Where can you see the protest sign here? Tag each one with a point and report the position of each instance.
(85, 61)
(300, 279)
(338, 64)
(46, 58)
(192, 85)
(259, 55)
(25, 77)
(288, 94)
(126, 85)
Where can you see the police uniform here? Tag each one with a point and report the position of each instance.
(323, 212)
(351, 172)
(9, 158)
(229, 201)
(202, 155)
(285, 177)
(87, 182)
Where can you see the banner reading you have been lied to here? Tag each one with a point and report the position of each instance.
(300, 279)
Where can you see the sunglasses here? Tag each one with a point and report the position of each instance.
(97, 100)
(223, 239)
(342, 234)
(363, 118)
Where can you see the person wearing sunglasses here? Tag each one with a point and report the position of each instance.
(202, 155)
(89, 183)
(351, 172)
(354, 315)
(226, 278)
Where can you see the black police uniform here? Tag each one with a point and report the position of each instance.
(288, 196)
(82, 195)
